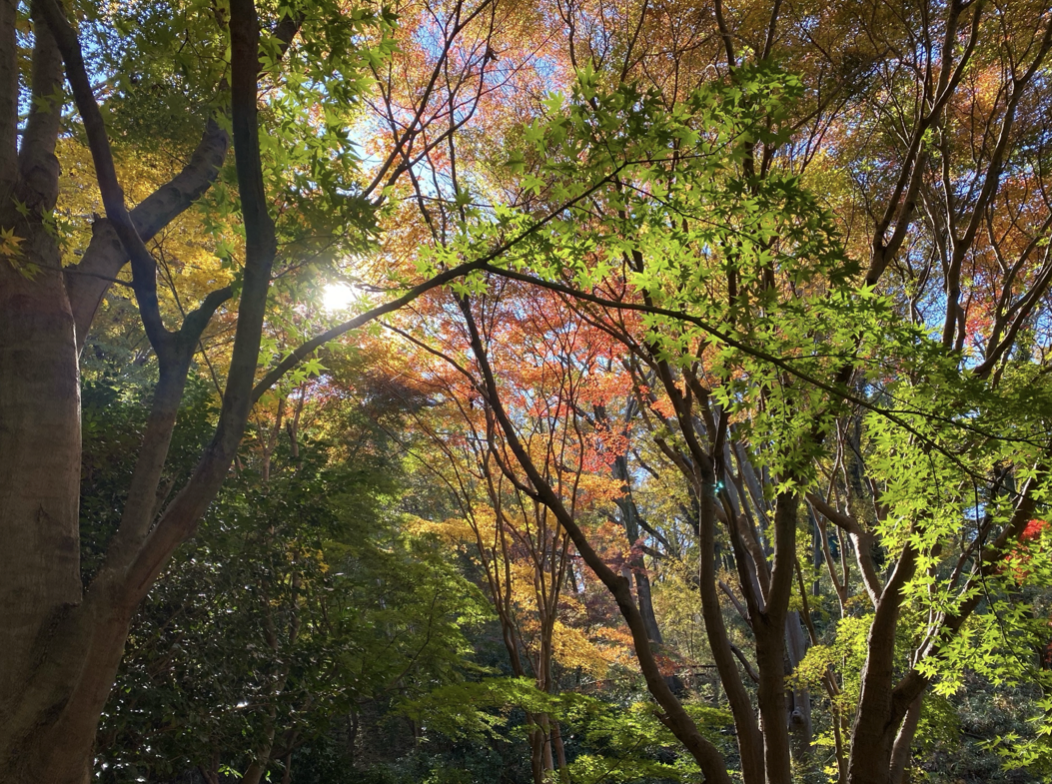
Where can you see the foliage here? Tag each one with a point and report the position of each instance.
(299, 600)
(701, 295)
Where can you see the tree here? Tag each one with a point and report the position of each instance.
(62, 642)
(300, 195)
(768, 344)
(526, 562)
(297, 604)
(779, 353)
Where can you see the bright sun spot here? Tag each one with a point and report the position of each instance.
(338, 296)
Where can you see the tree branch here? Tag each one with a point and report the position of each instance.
(676, 718)
(37, 165)
(862, 539)
(144, 272)
(88, 281)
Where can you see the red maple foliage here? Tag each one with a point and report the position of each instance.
(1016, 561)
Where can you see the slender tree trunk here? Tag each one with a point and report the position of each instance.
(874, 729)
(630, 519)
(750, 737)
(900, 750)
(800, 728)
(541, 759)
(646, 602)
(838, 747)
(769, 629)
(211, 773)
(254, 772)
(543, 676)
(674, 716)
(286, 777)
(560, 753)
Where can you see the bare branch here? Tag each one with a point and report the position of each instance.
(87, 281)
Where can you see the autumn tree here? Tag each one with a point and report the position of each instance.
(777, 365)
(817, 233)
(528, 567)
(296, 192)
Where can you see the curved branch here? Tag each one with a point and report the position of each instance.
(143, 265)
(88, 281)
(446, 276)
(675, 717)
(862, 539)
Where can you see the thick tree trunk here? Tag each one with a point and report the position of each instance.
(62, 646)
(40, 588)
(39, 397)
(39, 493)
(53, 738)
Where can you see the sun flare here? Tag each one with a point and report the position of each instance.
(338, 296)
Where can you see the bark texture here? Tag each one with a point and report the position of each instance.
(61, 643)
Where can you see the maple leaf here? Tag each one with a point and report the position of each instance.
(10, 242)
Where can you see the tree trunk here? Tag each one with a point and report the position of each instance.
(62, 646)
(39, 402)
(900, 751)
(560, 753)
(39, 483)
(630, 519)
(770, 628)
(800, 727)
(875, 724)
(674, 716)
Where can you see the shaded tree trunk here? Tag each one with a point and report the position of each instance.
(874, 729)
(900, 750)
(62, 645)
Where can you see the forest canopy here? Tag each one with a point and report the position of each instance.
(474, 390)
